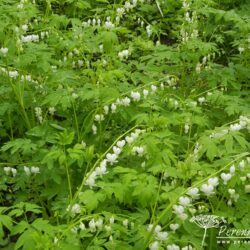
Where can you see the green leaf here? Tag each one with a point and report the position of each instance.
(26, 241)
(109, 39)
(16, 212)
(43, 226)
(56, 126)
(29, 207)
(241, 140)
(229, 143)
(122, 170)
(24, 146)
(83, 5)
(90, 199)
(65, 138)
(209, 146)
(20, 228)
(6, 221)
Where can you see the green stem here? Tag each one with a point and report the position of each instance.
(157, 197)
(19, 97)
(69, 182)
(11, 128)
(76, 121)
(159, 7)
(68, 177)
(204, 237)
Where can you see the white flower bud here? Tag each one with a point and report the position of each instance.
(92, 225)
(232, 169)
(82, 226)
(145, 93)
(125, 223)
(106, 109)
(153, 88)
(112, 220)
(94, 129)
(113, 107)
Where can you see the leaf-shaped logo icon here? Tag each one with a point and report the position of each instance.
(206, 221)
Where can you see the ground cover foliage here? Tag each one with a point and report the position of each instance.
(122, 120)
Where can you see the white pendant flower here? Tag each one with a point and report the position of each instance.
(184, 201)
(99, 117)
(178, 209)
(154, 246)
(136, 96)
(125, 101)
(35, 170)
(117, 150)
(213, 181)
(111, 158)
(4, 51)
(162, 236)
(145, 93)
(193, 193)
(226, 177)
(121, 143)
(113, 108)
(207, 189)
(26, 170)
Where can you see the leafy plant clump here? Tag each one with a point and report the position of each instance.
(124, 124)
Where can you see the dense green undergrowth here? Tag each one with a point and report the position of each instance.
(123, 121)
